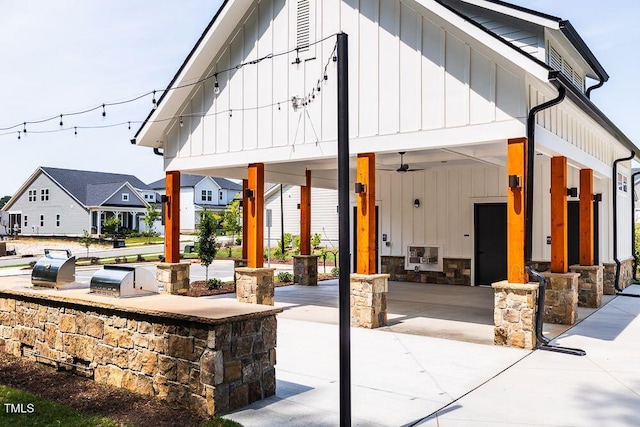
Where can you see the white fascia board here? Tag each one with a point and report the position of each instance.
(552, 145)
(515, 13)
(152, 134)
(512, 54)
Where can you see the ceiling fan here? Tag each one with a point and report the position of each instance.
(404, 167)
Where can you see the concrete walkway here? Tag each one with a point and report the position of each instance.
(407, 380)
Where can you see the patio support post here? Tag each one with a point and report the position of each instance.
(254, 284)
(172, 220)
(245, 217)
(591, 280)
(516, 161)
(172, 276)
(366, 200)
(305, 265)
(559, 248)
(586, 217)
(561, 296)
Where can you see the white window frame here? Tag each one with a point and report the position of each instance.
(57, 220)
(26, 222)
(125, 197)
(44, 194)
(42, 220)
(33, 195)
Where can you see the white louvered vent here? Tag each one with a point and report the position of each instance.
(305, 31)
(558, 63)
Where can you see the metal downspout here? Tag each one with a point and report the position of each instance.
(614, 182)
(633, 227)
(596, 86)
(543, 342)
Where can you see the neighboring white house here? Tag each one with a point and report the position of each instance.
(449, 82)
(65, 202)
(198, 193)
(324, 213)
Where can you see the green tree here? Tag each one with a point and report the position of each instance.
(207, 245)
(86, 240)
(231, 219)
(4, 200)
(111, 226)
(151, 215)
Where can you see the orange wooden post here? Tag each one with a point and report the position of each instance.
(255, 216)
(559, 237)
(172, 218)
(516, 161)
(366, 233)
(586, 217)
(305, 216)
(245, 216)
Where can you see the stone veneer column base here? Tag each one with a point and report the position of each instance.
(590, 287)
(305, 270)
(514, 314)
(173, 278)
(561, 298)
(238, 263)
(255, 285)
(369, 300)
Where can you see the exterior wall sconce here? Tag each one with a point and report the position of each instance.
(360, 188)
(416, 203)
(248, 193)
(164, 198)
(572, 192)
(514, 181)
(298, 206)
(597, 197)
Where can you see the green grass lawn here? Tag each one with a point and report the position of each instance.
(42, 412)
(130, 241)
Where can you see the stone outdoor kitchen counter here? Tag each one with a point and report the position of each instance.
(211, 355)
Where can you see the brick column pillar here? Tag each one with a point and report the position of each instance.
(255, 285)
(305, 270)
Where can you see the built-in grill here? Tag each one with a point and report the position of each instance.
(56, 269)
(123, 281)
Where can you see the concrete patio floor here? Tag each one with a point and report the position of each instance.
(401, 379)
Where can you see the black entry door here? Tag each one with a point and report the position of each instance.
(490, 242)
(573, 233)
(355, 238)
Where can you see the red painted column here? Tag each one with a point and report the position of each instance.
(172, 219)
(255, 216)
(305, 216)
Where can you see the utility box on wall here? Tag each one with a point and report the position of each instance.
(424, 258)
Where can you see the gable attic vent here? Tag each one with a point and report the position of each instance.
(305, 31)
(558, 63)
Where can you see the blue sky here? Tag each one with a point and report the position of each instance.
(72, 54)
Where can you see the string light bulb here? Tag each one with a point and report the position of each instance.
(153, 100)
(279, 106)
(75, 131)
(19, 134)
(61, 120)
(24, 129)
(230, 113)
(129, 125)
(297, 61)
(104, 113)
(216, 85)
(181, 122)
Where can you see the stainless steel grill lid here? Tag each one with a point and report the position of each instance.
(56, 269)
(123, 281)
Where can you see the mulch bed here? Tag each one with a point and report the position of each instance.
(198, 288)
(90, 398)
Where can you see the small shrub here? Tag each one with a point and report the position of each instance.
(214, 284)
(285, 277)
(238, 241)
(315, 240)
(335, 271)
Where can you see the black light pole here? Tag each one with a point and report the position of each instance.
(343, 231)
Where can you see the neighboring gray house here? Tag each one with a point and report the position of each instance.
(198, 193)
(64, 202)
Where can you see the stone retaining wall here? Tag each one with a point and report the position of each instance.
(456, 271)
(212, 368)
(626, 276)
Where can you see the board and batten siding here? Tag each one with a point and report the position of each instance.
(409, 71)
(73, 217)
(324, 214)
(445, 215)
